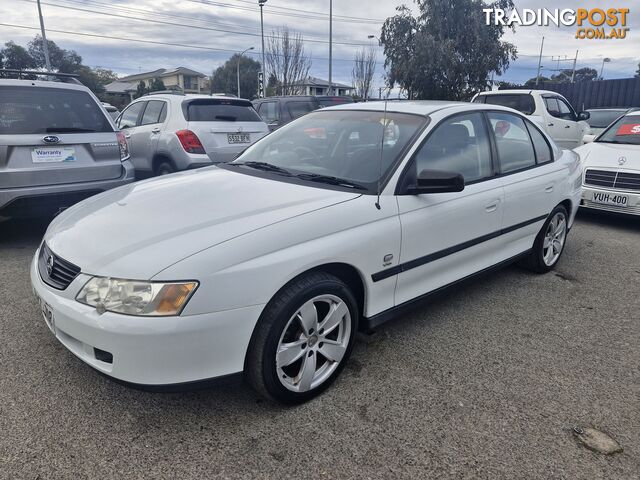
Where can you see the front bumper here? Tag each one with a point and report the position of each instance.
(149, 351)
(632, 207)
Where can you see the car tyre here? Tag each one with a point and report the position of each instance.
(303, 339)
(550, 242)
(165, 167)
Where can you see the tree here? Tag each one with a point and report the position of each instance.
(446, 52)
(532, 81)
(287, 61)
(225, 77)
(141, 90)
(364, 69)
(156, 85)
(66, 61)
(16, 57)
(585, 74)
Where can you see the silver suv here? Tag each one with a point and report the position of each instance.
(57, 146)
(170, 131)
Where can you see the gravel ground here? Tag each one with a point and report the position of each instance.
(486, 382)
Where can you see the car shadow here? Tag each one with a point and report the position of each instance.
(608, 219)
(23, 233)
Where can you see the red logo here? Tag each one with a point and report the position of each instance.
(629, 129)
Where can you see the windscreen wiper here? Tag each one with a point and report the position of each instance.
(264, 166)
(329, 180)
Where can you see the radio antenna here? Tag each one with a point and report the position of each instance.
(384, 128)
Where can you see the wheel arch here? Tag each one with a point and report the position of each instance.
(160, 157)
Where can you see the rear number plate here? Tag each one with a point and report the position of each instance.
(611, 199)
(53, 154)
(239, 138)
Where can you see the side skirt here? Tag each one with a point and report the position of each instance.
(371, 323)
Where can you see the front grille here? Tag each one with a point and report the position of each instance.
(612, 208)
(610, 179)
(55, 271)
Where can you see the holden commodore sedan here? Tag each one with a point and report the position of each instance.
(270, 264)
(612, 168)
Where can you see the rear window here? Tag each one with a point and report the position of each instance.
(32, 110)
(219, 110)
(524, 102)
(603, 118)
(331, 101)
(299, 109)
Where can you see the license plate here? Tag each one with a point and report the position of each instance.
(53, 154)
(239, 138)
(47, 314)
(611, 199)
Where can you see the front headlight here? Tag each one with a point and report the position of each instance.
(133, 297)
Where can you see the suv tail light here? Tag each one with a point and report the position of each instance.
(190, 141)
(124, 146)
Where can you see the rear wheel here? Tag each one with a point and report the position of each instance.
(165, 167)
(550, 242)
(303, 339)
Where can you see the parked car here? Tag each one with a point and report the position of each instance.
(270, 264)
(333, 100)
(111, 110)
(278, 111)
(170, 131)
(611, 164)
(57, 147)
(550, 110)
(600, 119)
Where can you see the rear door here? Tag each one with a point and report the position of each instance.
(269, 112)
(143, 137)
(53, 136)
(226, 127)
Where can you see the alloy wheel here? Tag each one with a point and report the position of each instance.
(554, 239)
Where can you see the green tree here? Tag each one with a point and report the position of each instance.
(446, 51)
(141, 90)
(225, 78)
(532, 81)
(17, 57)
(65, 61)
(156, 85)
(585, 74)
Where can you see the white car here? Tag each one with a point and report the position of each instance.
(269, 265)
(549, 109)
(611, 165)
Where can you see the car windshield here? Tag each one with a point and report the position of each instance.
(626, 131)
(30, 110)
(353, 149)
(603, 118)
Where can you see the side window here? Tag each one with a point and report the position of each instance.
(480, 99)
(524, 103)
(566, 111)
(153, 112)
(544, 153)
(300, 109)
(269, 112)
(129, 117)
(552, 107)
(459, 144)
(513, 142)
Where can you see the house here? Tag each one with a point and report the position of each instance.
(181, 78)
(317, 86)
(124, 90)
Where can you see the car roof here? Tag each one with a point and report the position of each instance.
(521, 91)
(8, 82)
(416, 107)
(180, 97)
(287, 97)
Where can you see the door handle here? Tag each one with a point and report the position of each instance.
(155, 130)
(549, 188)
(567, 126)
(492, 207)
(549, 124)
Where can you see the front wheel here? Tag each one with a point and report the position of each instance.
(550, 242)
(303, 339)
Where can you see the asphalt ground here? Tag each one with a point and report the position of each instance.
(486, 382)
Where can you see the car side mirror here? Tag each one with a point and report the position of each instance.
(584, 116)
(437, 181)
(588, 138)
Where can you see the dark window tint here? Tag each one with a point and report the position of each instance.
(603, 118)
(625, 131)
(153, 113)
(269, 112)
(544, 153)
(515, 150)
(459, 144)
(299, 109)
(559, 108)
(32, 110)
(524, 103)
(221, 110)
(129, 117)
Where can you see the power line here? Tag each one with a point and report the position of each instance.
(315, 13)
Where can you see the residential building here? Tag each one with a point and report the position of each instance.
(318, 86)
(181, 78)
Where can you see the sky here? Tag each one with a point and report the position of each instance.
(209, 31)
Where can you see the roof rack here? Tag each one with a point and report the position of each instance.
(167, 92)
(58, 76)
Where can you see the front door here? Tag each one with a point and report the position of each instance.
(448, 236)
(562, 123)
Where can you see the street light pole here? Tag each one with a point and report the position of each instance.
(330, 47)
(539, 62)
(240, 58)
(604, 60)
(264, 80)
(45, 44)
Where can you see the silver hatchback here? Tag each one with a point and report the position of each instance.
(171, 131)
(57, 146)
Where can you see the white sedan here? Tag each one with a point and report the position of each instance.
(269, 265)
(612, 168)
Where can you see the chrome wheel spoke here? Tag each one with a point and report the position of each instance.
(560, 228)
(290, 352)
(333, 351)
(307, 372)
(554, 239)
(547, 242)
(334, 318)
(308, 315)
